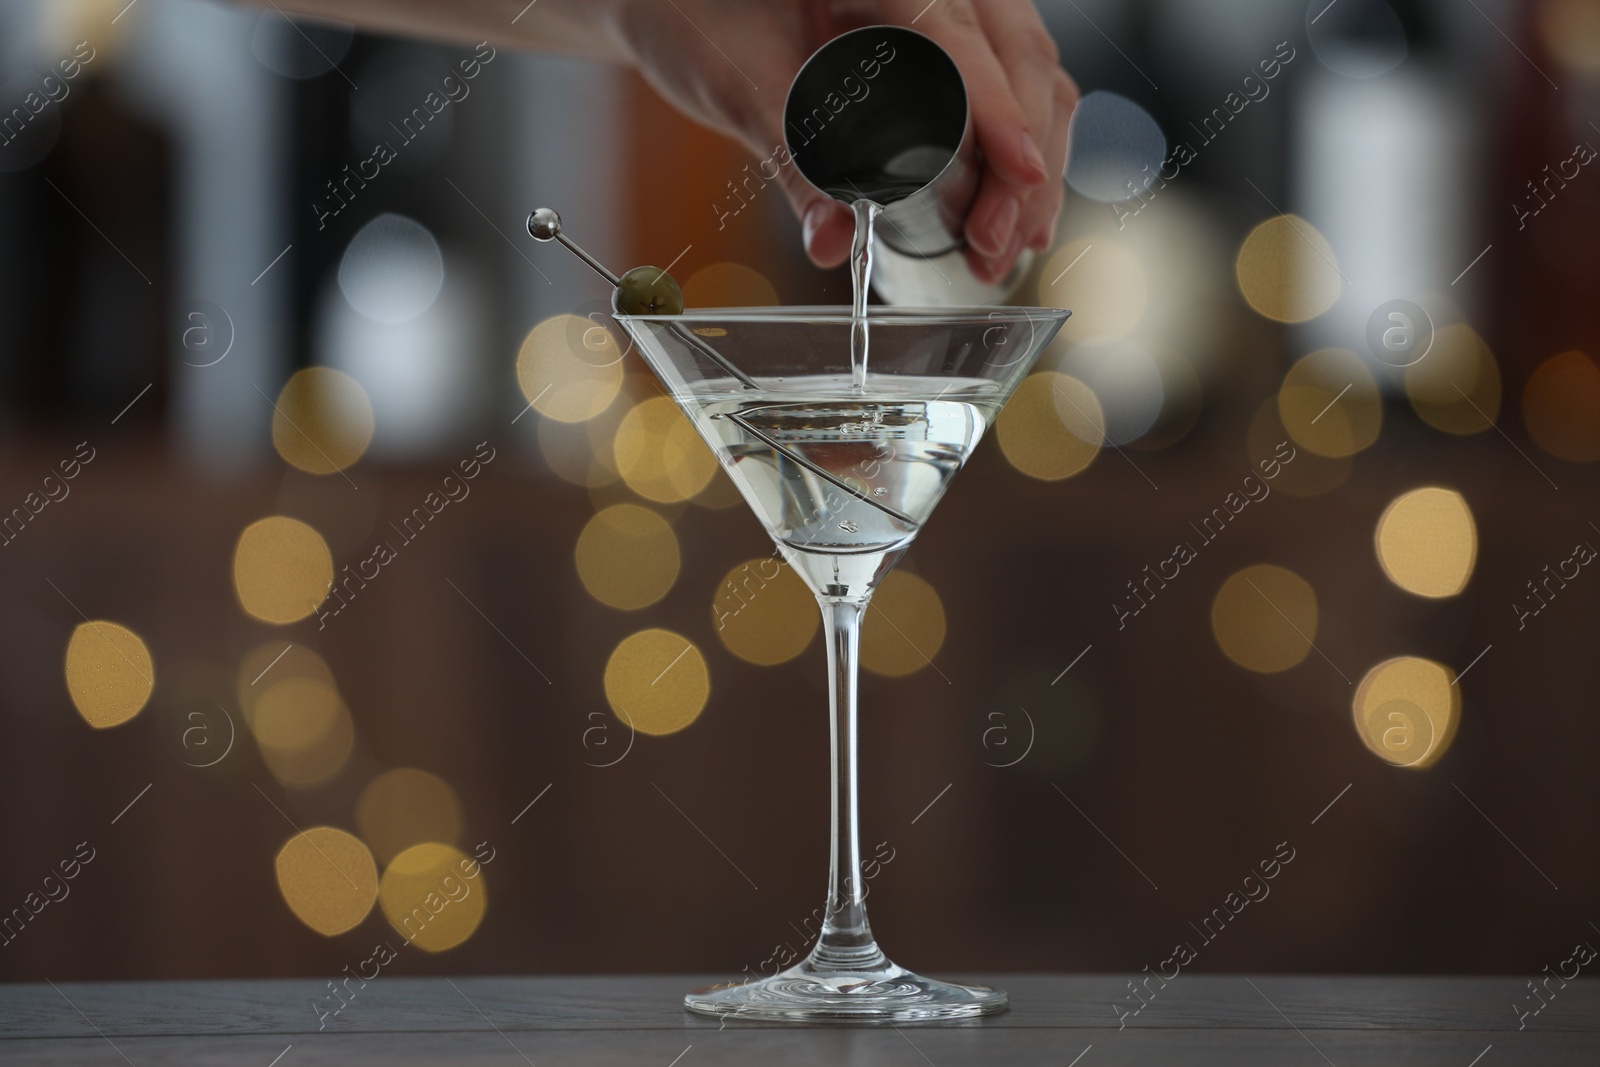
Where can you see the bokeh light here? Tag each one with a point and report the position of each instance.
(392, 270)
(272, 662)
(1265, 618)
(659, 453)
(1126, 380)
(1406, 710)
(429, 899)
(1287, 270)
(904, 626)
(627, 557)
(1427, 542)
(1356, 38)
(1102, 282)
(1329, 403)
(404, 807)
(719, 493)
(763, 613)
(109, 673)
(327, 878)
(1051, 428)
(1570, 30)
(1561, 407)
(569, 368)
(1117, 148)
(304, 731)
(282, 570)
(580, 452)
(657, 682)
(1307, 474)
(322, 421)
(1456, 387)
(728, 285)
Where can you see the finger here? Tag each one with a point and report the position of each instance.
(826, 226)
(1052, 195)
(990, 269)
(1047, 97)
(1014, 164)
(1046, 203)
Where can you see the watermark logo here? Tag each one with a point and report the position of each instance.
(1400, 333)
(205, 330)
(999, 743)
(598, 737)
(206, 740)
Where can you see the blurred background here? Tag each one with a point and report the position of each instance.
(1349, 244)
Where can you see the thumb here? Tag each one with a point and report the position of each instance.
(826, 226)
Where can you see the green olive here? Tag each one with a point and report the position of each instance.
(647, 291)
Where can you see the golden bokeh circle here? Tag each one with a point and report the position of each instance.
(1561, 407)
(327, 878)
(720, 492)
(282, 570)
(304, 731)
(1264, 618)
(1052, 427)
(659, 453)
(1456, 388)
(569, 368)
(1570, 30)
(404, 807)
(109, 673)
(1104, 285)
(728, 285)
(1306, 474)
(1400, 731)
(322, 422)
(763, 613)
(430, 900)
(1329, 403)
(657, 682)
(1388, 700)
(1427, 542)
(904, 626)
(1287, 270)
(580, 452)
(272, 662)
(627, 557)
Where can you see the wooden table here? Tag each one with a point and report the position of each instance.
(1059, 1020)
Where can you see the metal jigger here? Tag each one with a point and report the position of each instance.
(544, 224)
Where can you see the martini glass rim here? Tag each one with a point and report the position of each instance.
(841, 315)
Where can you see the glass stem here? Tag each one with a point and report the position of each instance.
(846, 942)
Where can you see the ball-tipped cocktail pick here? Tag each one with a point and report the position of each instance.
(545, 225)
(641, 291)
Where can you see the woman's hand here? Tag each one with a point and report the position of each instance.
(728, 63)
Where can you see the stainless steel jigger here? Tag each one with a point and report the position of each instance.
(545, 225)
(882, 113)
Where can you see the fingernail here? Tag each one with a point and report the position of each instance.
(1008, 258)
(1031, 153)
(812, 222)
(1001, 224)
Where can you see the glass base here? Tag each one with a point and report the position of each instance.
(805, 993)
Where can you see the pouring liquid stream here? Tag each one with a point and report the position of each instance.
(866, 214)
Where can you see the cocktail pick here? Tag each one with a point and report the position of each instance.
(544, 224)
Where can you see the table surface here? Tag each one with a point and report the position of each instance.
(1059, 1020)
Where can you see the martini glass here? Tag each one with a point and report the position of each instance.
(843, 471)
